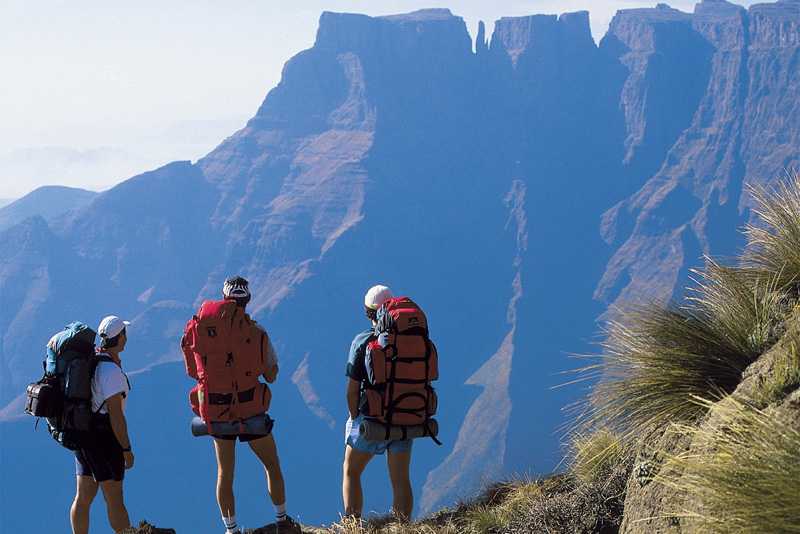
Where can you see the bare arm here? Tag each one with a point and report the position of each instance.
(353, 394)
(271, 359)
(120, 426)
(271, 374)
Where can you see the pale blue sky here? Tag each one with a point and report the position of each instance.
(95, 91)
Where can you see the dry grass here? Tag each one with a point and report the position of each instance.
(774, 239)
(784, 378)
(656, 358)
(742, 306)
(747, 476)
(491, 512)
(595, 455)
(557, 504)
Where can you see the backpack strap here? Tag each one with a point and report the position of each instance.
(106, 358)
(430, 432)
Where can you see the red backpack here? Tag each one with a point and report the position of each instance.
(401, 364)
(226, 351)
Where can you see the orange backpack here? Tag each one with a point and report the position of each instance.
(401, 364)
(226, 352)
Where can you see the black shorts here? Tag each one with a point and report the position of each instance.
(101, 459)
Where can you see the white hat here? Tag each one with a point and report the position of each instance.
(111, 327)
(376, 296)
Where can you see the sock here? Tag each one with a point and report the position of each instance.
(280, 512)
(230, 523)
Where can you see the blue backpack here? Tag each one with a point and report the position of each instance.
(64, 394)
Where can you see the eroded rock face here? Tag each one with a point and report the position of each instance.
(733, 113)
(650, 506)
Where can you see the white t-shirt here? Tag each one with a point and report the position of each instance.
(108, 380)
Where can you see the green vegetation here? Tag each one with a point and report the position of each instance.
(656, 358)
(560, 503)
(784, 378)
(774, 240)
(741, 306)
(747, 477)
(596, 455)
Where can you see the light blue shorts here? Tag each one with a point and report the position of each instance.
(357, 442)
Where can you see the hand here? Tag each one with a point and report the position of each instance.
(128, 459)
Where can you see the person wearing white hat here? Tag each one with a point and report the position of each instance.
(358, 450)
(101, 463)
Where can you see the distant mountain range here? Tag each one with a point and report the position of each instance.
(47, 202)
(516, 190)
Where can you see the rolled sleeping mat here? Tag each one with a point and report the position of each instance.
(376, 431)
(259, 425)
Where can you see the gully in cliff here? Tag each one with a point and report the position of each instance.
(227, 353)
(389, 396)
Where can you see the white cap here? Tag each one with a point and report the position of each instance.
(376, 296)
(111, 326)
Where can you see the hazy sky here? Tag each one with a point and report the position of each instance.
(95, 91)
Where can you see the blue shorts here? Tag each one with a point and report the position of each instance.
(357, 442)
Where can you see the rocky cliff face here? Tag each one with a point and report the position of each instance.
(515, 192)
(747, 64)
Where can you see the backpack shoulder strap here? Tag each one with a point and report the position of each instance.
(106, 358)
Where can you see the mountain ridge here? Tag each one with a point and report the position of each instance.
(50, 202)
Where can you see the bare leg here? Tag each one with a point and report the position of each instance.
(117, 513)
(354, 464)
(79, 512)
(399, 464)
(226, 462)
(267, 452)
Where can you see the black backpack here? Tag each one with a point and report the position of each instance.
(64, 394)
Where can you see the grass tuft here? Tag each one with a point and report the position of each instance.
(741, 306)
(596, 455)
(774, 238)
(785, 377)
(747, 479)
(656, 358)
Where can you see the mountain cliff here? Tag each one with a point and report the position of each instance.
(515, 191)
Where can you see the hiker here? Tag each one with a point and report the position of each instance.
(227, 352)
(101, 460)
(388, 409)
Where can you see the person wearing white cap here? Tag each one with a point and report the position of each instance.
(358, 450)
(101, 462)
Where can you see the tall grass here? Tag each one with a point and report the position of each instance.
(595, 455)
(785, 376)
(742, 306)
(656, 358)
(743, 472)
(773, 240)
